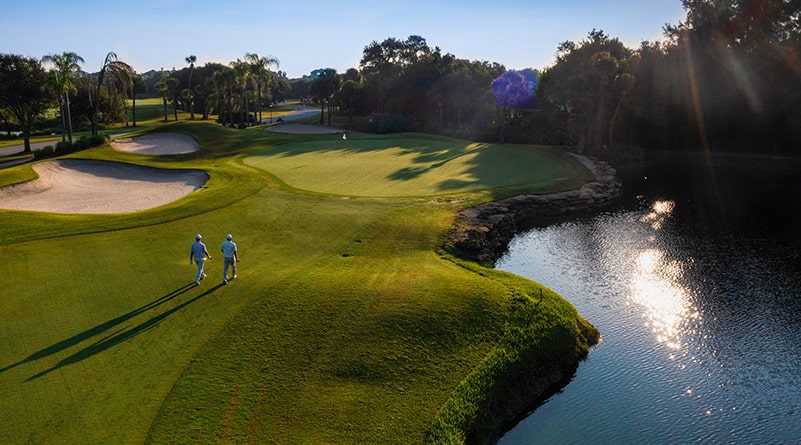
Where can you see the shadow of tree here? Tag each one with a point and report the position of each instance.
(119, 337)
(489, 166)
(77, 338)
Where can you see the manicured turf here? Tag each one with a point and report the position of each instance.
(413, 165)
(346, 325)
(150, 109)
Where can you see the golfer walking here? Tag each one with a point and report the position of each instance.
(230, 257)
(198, 253)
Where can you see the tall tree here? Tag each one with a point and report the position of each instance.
(4, 118)
(575, 92)
(115, 69)
(173, 87)
(137, 87)
(164, 91)
(626, 83)
(260, 67)
(26, 91)
(323, 88)
(191, 61)
(605, 67)
(227, 82)
(244, 79)
(511, 91)
(66, 67)
(347, 93)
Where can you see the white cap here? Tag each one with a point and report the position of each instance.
(198, 236)
(228, 237)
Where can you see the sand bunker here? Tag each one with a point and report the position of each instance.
(157, 144)
(87, 186)
(303, 129)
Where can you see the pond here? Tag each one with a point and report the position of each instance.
(695, 285)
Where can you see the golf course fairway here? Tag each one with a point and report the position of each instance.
(348, 323)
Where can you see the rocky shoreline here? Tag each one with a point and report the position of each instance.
(482, 233)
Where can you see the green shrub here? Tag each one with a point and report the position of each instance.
(236, 118)
(91, 141)
(390, 123)
(44, 152)
(63, 146)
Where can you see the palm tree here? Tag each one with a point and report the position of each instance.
(114, 69)
(260, 68)
(172, 88)
(191, 61)
(323, 88)
(161, 87)
(137, 87)
(67, 65)
(225, 82)
(243, 81)
(347, 92)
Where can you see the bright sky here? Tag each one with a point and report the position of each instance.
(309, 34)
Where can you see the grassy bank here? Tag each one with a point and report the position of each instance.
(346, 325)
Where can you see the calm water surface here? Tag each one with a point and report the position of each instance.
(695, 285)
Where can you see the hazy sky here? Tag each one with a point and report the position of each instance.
(307, 34)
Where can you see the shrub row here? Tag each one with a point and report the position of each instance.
(63, 148)
(236, 118)
(389, 123)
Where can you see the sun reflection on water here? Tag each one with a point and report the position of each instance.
(656, 286)
(660, 211)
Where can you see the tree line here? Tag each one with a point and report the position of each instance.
(728, 78)
(238, 92)
(30, 88)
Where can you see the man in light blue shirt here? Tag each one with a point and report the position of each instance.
(199, 253)
(230, 257)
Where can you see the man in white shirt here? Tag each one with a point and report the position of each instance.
(230, 257)
(198, 253)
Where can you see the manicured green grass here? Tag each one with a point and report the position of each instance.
(149, 109)
(346, 324)
(413, 165)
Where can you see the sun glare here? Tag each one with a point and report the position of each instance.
(667, 303)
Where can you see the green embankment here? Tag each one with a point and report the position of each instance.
(346, 325)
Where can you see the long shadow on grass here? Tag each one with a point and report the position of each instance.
(119, 336)
(490, 165)
(77, 338)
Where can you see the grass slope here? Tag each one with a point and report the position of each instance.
(345, 326)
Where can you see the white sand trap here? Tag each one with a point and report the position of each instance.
(87, 186)
(303, 129)
(157, 144)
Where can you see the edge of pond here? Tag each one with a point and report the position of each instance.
(481, 235)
